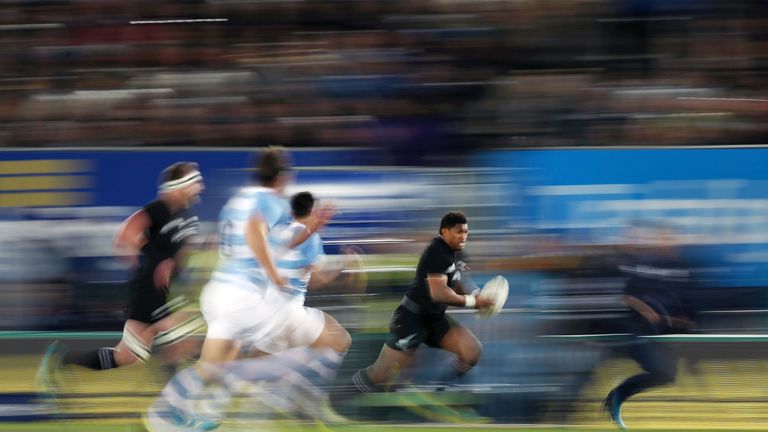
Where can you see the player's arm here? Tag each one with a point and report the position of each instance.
(642, 308)
(681, 322)
(319, 219)
(466, 285)
(322, 276)
(131, 236)
(256, 236)
(442, 293)
(171, 266)
(326, 270)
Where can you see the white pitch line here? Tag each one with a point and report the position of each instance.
(180, 21)
(725, 99)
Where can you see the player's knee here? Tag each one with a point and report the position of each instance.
(663, 372)
(126, 357)
(666, 375)
(137, 349)
(179, 332)
(471, 352)
(334, 336)
(342, 341)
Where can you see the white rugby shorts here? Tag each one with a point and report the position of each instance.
(268, 320)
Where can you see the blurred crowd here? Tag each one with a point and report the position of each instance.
(410, 76)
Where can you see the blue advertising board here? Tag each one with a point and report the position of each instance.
(716, 198)
(128, 177)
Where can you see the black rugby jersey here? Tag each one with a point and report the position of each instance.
(437, 258)
(166, 235)
(660, 282)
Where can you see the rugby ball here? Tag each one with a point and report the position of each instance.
(496, 289)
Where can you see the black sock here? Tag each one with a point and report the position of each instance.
(97, 359)
(359, 384)
(362, 382)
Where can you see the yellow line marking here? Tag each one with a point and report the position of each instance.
(45, 166)
(43, 199)
(44, 183)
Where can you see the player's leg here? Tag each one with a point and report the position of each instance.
(227, 310)
(134, 347)
(297, 326)
(173, 337)
(406, 333)
(179, 401)
(145, 306)
(389, 362)
(216, 351)
(223, 309)
(455, 338)
(330, 346)
(221, 344)
(325, 343)
(659, 364)
(376, 377)
(447, 334)
(333, 336)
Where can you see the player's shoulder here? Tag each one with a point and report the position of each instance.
(249, 197)
(157, 210)
(435, 255)
(437, 247)
(154, 205)
(314, 239)
(263, 197)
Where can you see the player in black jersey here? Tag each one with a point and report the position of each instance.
(420, 317)
(658, 283)
(153, 240)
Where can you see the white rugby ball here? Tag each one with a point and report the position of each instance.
(497, 290)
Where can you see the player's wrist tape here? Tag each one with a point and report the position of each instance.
(469, 301)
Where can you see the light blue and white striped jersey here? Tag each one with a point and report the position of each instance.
(295, 265)
(236, 259)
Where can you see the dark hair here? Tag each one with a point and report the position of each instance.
(302, 203)
(451, 219)
(177, 171)
(270, 163)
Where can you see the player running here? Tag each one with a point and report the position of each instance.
(420, 318)
(153, 240)
(255, 298)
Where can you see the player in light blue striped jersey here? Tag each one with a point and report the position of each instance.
(251, 301)
(295, 265)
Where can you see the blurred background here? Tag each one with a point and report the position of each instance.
(555, 125)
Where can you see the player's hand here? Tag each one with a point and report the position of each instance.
(352, 256)
(130, 261)
(681, 323)
(483, 303)
(279, 282)
(320, 216)
(652, 317)
(163, 273)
